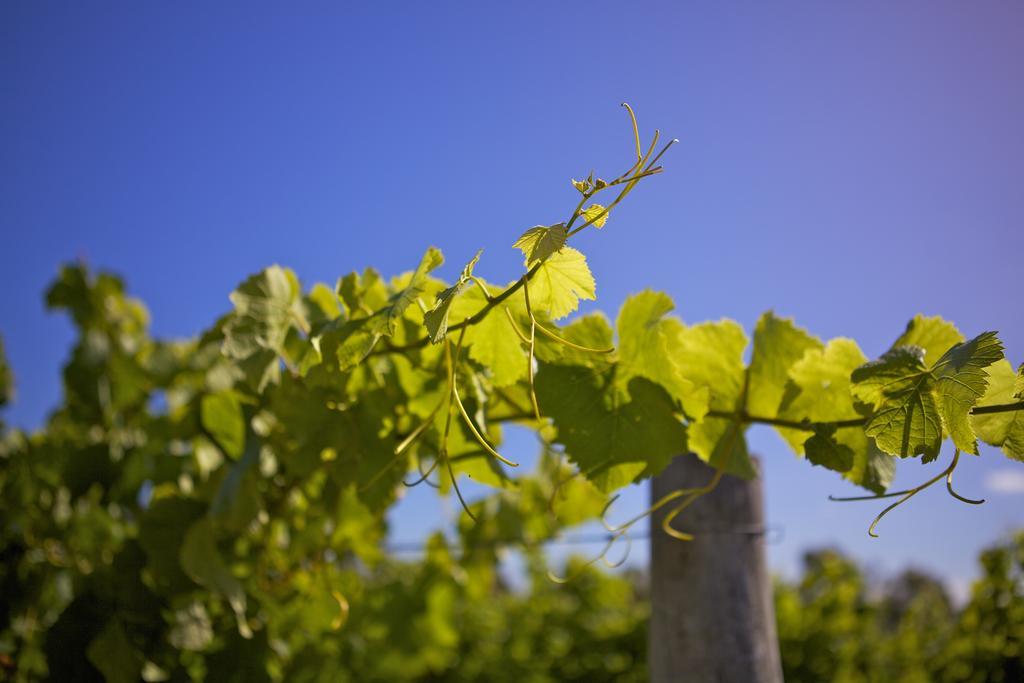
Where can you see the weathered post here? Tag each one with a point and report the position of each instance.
(712, 617)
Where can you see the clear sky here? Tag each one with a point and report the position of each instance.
(848, 165)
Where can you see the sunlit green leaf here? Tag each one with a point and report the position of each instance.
(647, 348)
(710, 355)
(541, 241)
(325, 302)
(933, 334)
(898, 388)
(266, 306)
(362, 294)
(960, 380)
(561, 281)
(436, 319)
(222, 417)
(590, 331)
(778, 344)
(819, 387)
(1006, 429)
(351, 342)
(407, 296)
(819, 391)
(593, 212)
(492, 342)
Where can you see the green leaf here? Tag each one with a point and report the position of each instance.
(560, 283)
(592, 212)
(778, 344)
(497, 348)
(407, 296)
(310, 432)
(324, 303)
(237, 501)
(960, 380)
(421, 381)
(202, 562)
(1005, 430)
(710, 355)
(722, 443)
(161, 534)
(591, 331)
(303, 353)
(492, 342)
(1018, 387)
(362, 294)
(221, 416)
(114, 654)
(823, 449)
(819, 390)
(97, 302)
(352, 341)
(589, 184)
(647, 348)
(641, 325)
(266, 307)
(578, 500)
(479, 467)
(933, 334)
(541, 241)
(819, 387)
(436, 319)
(872, 469)
(614, 439)
(898, 387)
(260, 370)
(465, 454)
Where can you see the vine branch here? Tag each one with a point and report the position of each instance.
(808, 426)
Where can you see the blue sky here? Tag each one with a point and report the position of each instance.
(847, 165)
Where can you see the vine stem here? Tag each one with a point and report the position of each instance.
(630, 179)
(808, 426)
(468, 322)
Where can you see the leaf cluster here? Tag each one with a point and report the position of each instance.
(196, 503)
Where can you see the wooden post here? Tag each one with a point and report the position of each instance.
(712, 617)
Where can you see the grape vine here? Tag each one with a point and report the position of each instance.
(210, 475)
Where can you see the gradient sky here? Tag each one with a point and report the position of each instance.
(847, 165)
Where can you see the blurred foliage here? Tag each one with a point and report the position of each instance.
(184, 515)
(213, 509)
(833, 625)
